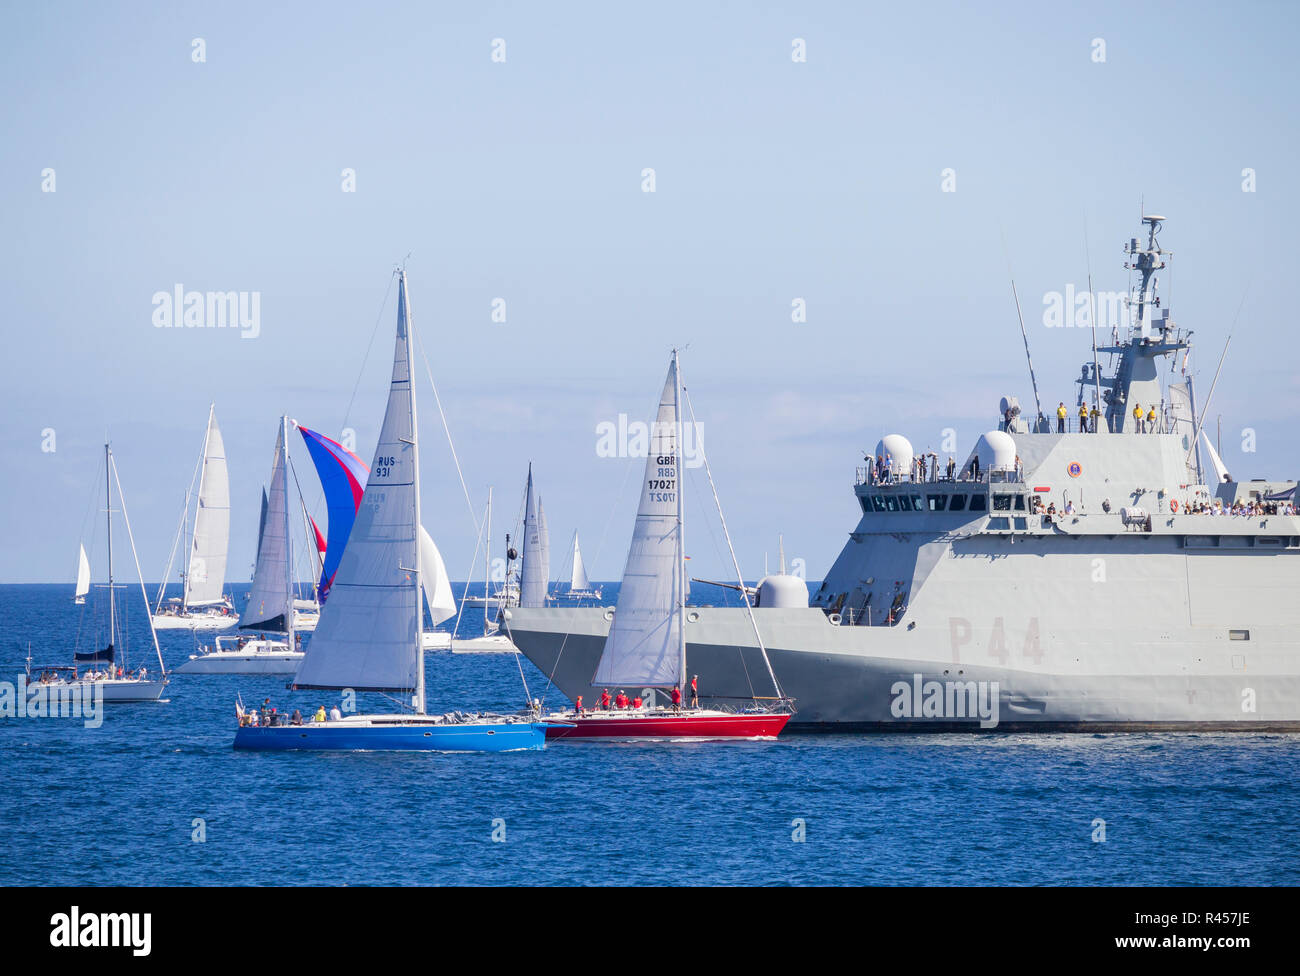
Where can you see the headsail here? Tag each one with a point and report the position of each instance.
(644, 646)
(343, 478)
(578, 579)
(368, 637)
(270, 603)
(206, 578)
(437, 584)
(83, 576)
(533, 568)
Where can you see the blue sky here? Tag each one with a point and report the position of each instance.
(522, 180)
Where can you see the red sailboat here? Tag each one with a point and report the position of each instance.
(646, 646)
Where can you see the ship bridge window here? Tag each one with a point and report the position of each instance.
(905, 503)
(936, 502)
(1001, 503)
(878, 502)
(891, 503)
(957, 504)
(1020, 503)
(866, 505)
(978, 503)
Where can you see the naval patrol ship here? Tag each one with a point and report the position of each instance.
(1098, 572)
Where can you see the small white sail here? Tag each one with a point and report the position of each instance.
(1220, 469)
(270, 602)
(437, 584)
(578, 579)
(368, 637)
(206, 578)
(533, 570)
(83, 576)
(644, 644)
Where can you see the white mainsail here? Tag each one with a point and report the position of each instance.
(368, 638)
(578, 579)
(206, 577)
(534, 568)
(270, 603)
(437, 584)
(544, 545)
(645, 643)
(83, 576)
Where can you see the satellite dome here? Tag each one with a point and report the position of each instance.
(782, 591)
(899, 451)
(996, 451)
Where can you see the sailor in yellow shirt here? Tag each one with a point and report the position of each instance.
(1137, 417)
(1151, 421)
(320, 714)
(1083, 418)
(1095, 416)
(1061, 414)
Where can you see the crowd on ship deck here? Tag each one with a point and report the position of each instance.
(1248, 509)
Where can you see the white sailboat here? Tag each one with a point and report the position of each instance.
(203, 605)
(580, 587)
(83, 577)
(646, 646)
(272, 611)
(103, 673)
(370, 633)
(493, 640)
(535, 565)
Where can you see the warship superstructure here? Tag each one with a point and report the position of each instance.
(1097, 571)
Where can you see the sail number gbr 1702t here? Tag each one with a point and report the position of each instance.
(662, 487)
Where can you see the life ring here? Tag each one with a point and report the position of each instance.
(1173, 505)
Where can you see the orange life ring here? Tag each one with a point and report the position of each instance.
(1173, 505)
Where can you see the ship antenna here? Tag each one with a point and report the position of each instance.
(1092, 318)
(1040, 423)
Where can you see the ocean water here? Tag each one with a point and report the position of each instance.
(156, 795)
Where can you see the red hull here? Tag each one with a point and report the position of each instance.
(669, 726)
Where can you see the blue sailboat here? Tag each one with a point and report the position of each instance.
(370, 633)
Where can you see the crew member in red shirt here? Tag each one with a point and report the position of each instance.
(695, 691)
(621, 700)
(677, 699)
(604, 700)
(577, 706)
(636, 702)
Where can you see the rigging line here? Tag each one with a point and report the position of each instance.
(713, 537)
(94, 497)
(180, 529)
(473, 516)
(478, 544)
(722, 519)
(139, 575)
(618, 500)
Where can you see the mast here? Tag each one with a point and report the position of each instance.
(681, 515)
(405, 305)
(487, 563)
(108, 516)
(288, 534)
(203, 475)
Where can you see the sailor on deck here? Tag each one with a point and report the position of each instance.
(604, 699)
(1061, 414)
(1138, 418)
(1151, 421)
(1094, 415)
(1083, 418)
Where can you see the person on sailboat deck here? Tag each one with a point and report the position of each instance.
(577, 705)
(335, 714)
(695, 691)
(620, 700)
(636, 702)
(295, 718)
(677, 699)
(604, 699)
(320, 714)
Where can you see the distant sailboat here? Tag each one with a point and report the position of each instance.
(492, 641)
(580, 587)
(272, 606)
(83, 577)
(370, 633)
(203, 605)
(103, 671)
(535, 565)
(646, 646)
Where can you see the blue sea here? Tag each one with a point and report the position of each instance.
(157, 796)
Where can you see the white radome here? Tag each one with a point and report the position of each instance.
(899, 451)
(996, 451)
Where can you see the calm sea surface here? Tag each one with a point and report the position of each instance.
(118, 804)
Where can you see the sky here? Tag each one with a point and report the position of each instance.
(895, 180)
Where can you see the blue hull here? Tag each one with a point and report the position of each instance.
(488, 737)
